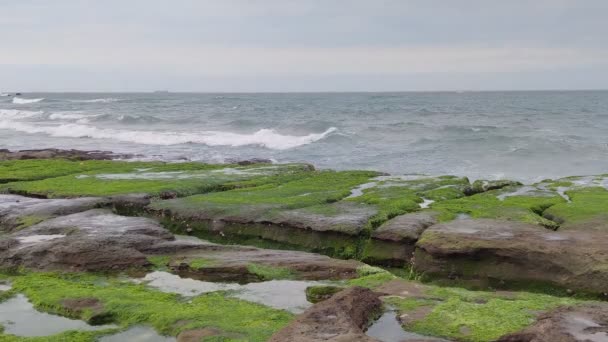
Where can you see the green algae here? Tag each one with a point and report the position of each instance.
(68, 336)
(200, 263)
(36, 169)
(372, 281)
(482, 316)
(466, 315)
(317, 293)
(480, 186)
(159, 262)
(393, 197)
(486, 205)
(586, 204)
(266, 272)
(28, 220)
(131, 304)
(182, 179)
(311, 189)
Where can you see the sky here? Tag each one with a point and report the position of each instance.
(303, 45)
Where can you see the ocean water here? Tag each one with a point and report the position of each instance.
(526, 136)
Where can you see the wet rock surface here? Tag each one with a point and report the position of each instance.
(50, 153)
(343, 317)
(98, 239)
(406, 228)
(490, 234)
(19, 211)
(346, 218)
(92, 240)
(514, 251)
(588, 323)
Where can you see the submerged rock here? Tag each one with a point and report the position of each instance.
(343, 317)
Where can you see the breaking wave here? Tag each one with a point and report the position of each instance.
(267, 138)
(19, 100)
(69, 116)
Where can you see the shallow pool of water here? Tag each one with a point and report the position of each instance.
(287, 295)
(19, 317)
(388, 329)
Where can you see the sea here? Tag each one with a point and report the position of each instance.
(521, 135)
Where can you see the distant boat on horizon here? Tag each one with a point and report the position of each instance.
(161, 92)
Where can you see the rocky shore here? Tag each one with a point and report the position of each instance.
(178, 248)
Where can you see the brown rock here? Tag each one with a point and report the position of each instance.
(78, 306)
(406, 227)
(506, 251)
(342, 317)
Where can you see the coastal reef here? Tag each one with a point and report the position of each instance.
(93, 249)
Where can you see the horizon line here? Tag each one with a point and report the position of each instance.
(303, 91)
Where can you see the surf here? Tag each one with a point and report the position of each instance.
(267, 138)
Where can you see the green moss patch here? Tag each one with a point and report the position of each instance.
(265, 272)
(315, 294)
(116, 178)
(586, 204)
(35, 169)
(169, 314)
(480, 316)
(393, 196)
(486, 205)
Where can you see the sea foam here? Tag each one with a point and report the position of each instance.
(19, 100)
(69, 116)
(268, 138)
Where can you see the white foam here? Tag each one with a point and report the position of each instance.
(19, 100)
(69, 116)
(268, 138)
(104, 100)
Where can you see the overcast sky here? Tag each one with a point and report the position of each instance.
(303, 45)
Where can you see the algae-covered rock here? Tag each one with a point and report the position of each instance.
(18, 212)
(92, 240)
(153, 178)
(514, 252)
(480, 186)
(464, 315)
(315, 294)
(567, 324)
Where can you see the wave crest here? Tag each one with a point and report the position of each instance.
(267, 138)
(19, 100)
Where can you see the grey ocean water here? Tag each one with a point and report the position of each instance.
(526, 136)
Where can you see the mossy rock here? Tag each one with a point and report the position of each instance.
(315, 294)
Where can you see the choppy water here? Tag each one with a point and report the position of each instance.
(522, 135)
